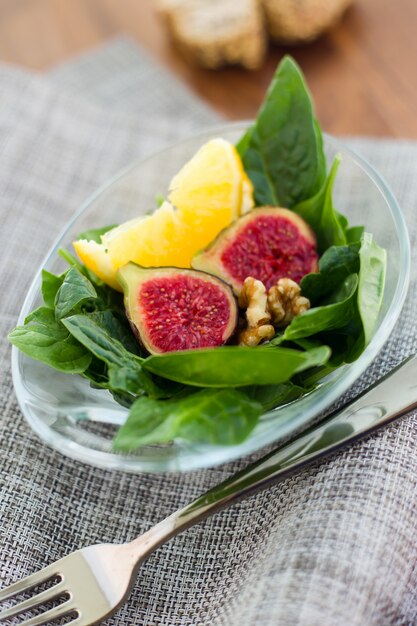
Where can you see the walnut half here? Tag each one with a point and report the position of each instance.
(253, 336)
(253, 298)
(285, 302)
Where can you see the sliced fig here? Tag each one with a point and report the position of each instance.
(177, 309)
(268, 243)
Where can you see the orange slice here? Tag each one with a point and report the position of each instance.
(208, 193)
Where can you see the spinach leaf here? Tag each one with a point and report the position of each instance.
(348, 341)
(321, 155)
(41, 315)
(125, 378)
(308, 380)
(95, 234)
(220, 417)
(97, 374)
(271, 396)
(233, 366)
(334, 266)
(338, 311)
(109, 299)
(343, 220)
(283, 152)
(78, 292)
(371, 283)
(244, 142)
(318, 211)
(73, 262)
(115, 324)
(45, 339)
(263, 188)
(160, 199)
(50, 285)
(75, 290)
(124, 368)
(354, 233)
(123, 398)
(87, 329)
(109, 340)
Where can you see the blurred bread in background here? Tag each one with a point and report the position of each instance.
(299, 21)
(214, 33)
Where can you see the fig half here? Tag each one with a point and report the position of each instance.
(268, 243)
(177, 309)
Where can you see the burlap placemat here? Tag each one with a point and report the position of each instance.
(335, 545)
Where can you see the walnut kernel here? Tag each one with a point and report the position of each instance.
(253, 298)
(253, 336)
(285, 302)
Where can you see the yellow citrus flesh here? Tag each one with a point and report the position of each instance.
(208, 193)
(153, 240)
(95, 257)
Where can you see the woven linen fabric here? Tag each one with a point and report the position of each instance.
(333, 545)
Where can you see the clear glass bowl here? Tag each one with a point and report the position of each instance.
(80, 421)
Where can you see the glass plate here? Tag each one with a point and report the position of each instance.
(80, 421)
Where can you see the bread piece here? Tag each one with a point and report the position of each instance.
(168, 7)
(213, 33)
(297, 21)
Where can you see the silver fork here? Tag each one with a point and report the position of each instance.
(97, 579)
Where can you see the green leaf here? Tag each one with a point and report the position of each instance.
(124, 368)
(373, 261)
(115, 324)
(95, 234)
(127, 378)
(123, 398)
(334, 267)
(96, 373)
(244, 142)
(283, 152)
(338, 312)
(354, 234)
(308, 380)
(50, 286)
(348, 341)
(73, 262)
(75, 290)
(45, 339)
(321, 156)
(263, 188)
(162, 388)
(271, 396)
(41, 315)
(160, 199)
(233, 366)
(219, 417)
(319, 212)
(87, 330)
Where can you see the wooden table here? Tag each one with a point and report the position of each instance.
(363, 74)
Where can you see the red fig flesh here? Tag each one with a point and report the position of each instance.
(268, 243)
(177, 309)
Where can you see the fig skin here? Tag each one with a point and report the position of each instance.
(150, 324)
(216, 256)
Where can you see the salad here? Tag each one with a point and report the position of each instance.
(239, 293)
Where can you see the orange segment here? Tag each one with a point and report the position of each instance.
(209, 192)
(95, 257)
(153, 240)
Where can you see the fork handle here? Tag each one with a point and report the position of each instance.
(394, 395)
